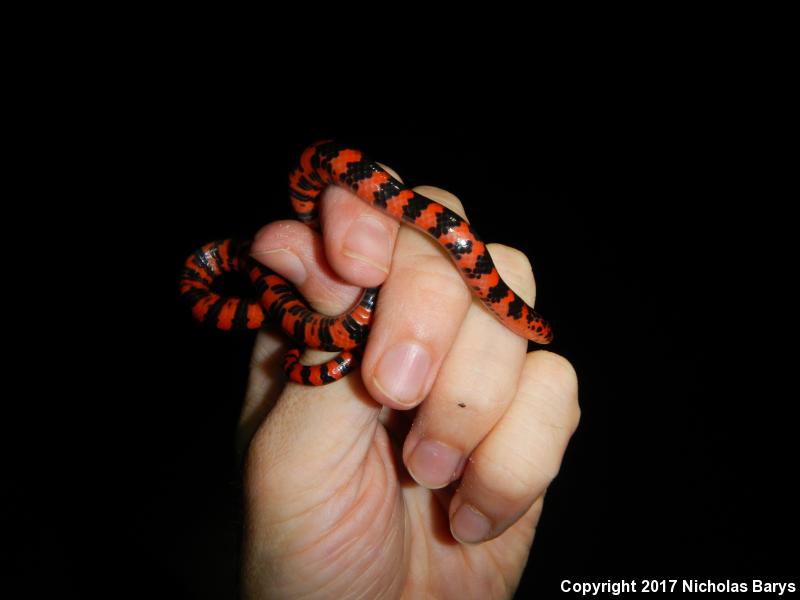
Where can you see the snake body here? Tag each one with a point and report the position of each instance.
(323, 164)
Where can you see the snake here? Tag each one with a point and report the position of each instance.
(323, 164)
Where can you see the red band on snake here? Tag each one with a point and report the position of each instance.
(323, 164)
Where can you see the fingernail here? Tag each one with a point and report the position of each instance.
(369, 241)
(285, 263)
(391, 172)
(469, 525)
(401, 372)
(433, 465)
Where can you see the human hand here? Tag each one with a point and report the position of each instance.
(360, 488)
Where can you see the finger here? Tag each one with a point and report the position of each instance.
(476, 383)
(359, 239)
(296, 252)
(516, 462)
(314, 438)
(421, 307)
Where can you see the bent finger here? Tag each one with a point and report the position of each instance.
(476, 384)
(516, 462)
(296, 252)
(421, 309)
(359, 239)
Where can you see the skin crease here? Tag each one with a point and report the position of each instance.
(331, 507)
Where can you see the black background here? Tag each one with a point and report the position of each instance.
(654, 258)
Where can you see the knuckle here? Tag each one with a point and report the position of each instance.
(482, 391)
(443, 197)
(515, 268)
(514, 478)
(559, 418)
(565, 379)
(431, 277)
(574, 416)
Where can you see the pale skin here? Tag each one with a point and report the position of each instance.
(422, 474)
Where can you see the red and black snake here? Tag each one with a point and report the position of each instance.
(328, 163)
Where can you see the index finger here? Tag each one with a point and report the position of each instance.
(359, 239)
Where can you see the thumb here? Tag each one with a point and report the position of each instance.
(314, 440)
